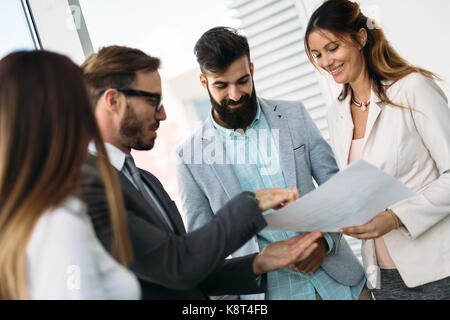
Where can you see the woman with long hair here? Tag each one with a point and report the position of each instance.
(48, 248)
(393, 115)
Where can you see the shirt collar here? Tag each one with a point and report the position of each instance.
(230, 132)
(115, 155)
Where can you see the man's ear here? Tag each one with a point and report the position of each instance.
(203, 81)
(252, 68)
(112, 100)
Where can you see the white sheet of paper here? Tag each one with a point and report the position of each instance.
(350, 198)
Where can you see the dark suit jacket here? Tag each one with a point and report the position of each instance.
(177, 265)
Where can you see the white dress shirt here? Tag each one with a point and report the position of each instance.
(65, 260)
(117, 159)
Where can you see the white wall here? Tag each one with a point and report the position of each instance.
(417, 29)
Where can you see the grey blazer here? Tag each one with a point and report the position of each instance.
(205, 187)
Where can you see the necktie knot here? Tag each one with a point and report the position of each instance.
(129, 161)
(133, 170)
(139, 184)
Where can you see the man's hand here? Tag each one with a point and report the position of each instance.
(281, 254)
(314, 261)
(275, 198)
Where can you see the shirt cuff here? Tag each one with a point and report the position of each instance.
(330, 242)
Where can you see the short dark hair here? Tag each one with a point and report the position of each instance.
(218, 47)
(115, 67)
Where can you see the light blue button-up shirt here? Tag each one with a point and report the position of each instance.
(255, 159)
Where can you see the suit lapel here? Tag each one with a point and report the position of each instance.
(347, 127)
(374, 112)
(138, 200)
(345, 130)
(224, 171)
(279, 122)
(166, 202)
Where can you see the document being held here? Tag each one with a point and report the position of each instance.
(351, 198)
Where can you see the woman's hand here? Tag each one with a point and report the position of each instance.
(382, 223)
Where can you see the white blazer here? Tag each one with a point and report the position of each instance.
(414, 147)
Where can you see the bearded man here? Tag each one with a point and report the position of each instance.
(250, 143)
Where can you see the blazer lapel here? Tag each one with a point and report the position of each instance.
(374, 112)
(346, 126)
(279, 121)
(346, 129)
(223, 169)
(138, 200)
(167, 204)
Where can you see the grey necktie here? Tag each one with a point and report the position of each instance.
(151, 199)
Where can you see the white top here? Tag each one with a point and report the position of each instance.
(355, 150)
(65, 260)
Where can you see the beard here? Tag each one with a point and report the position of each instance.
(239, 118)
(132, 131)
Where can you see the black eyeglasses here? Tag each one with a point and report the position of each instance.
(140, 93)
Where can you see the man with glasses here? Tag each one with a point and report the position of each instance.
(125, 88)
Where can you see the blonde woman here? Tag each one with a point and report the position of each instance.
(48, 248)
(393, 115)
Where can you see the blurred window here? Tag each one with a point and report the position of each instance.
(14, 32)
(169, 31)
